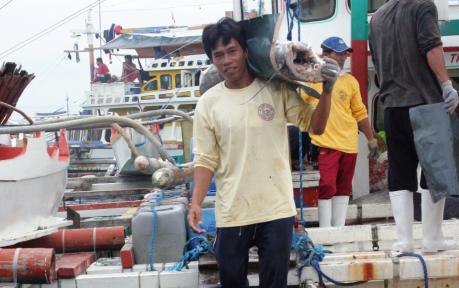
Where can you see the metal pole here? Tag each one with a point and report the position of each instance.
(100, 30)
(359, 39)
(90, 45)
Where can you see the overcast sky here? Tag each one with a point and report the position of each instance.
(57, 76)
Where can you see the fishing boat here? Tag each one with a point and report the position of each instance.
(33, 178)
(169, 79)
(33, 173)
(156, 220)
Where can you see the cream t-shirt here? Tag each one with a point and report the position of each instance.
(241, 136)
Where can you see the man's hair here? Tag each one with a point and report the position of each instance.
(225, 29)
(326, 50)
(99, 59)
(128, 57)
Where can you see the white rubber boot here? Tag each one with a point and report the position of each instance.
(432, 220)
(339, 210)
(402, 208)
(325, 212)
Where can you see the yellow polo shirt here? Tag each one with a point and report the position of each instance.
(347, 108)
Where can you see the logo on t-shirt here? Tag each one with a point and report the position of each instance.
(266, 112)
(342, 95)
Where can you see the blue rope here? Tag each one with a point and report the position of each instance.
(298, 17)
(300, 143)
(154, 228)
(310, 255)
(141, 143)
(289, 18)
(423, 263)
(204, 247)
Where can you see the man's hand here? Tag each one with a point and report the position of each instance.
(329, 72)
(195, 218)
(373, 149)
(450, 96)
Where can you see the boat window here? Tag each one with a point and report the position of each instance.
(178, 81)
(135, 99)
(181, 63)
(187, 79)
(197, 77)
(316, 10)
(190, 63)
(255, 8)
(199, 62)
(166, 82)
(373, 5)
(173, 64)
(208, 62)
(164, 64)
(151, 86)
(154, 65)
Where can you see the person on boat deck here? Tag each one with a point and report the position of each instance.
(242, 140)
(408, 56)
(338, 145)
(130, 72)
(102, 72)
(309, 151)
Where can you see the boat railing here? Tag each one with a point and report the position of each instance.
(119, 93)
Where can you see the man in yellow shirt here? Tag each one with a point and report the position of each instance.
(240, 136)
(338, 145)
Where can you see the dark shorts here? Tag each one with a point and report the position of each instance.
(336, 172)
(273, 240)
(401, 151)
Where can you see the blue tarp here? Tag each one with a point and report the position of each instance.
(436, 136)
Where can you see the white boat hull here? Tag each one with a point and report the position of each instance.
(31, 187)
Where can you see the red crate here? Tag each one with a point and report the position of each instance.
(310, 196)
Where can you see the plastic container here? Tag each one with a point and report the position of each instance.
(208, 224)
(170, 236)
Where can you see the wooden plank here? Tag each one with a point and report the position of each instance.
(353, 270)
(365, 233)
(376, 266)
(102, 205)
(306, 184)
(127, 256)
(334, 235)
(368, 211)
(93, 194)
(70, 265)
(307, 176)
(438, 266)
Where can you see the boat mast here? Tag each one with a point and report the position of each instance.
(89, 33)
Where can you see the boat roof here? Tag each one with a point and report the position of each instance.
(179, 63)
(148, 45)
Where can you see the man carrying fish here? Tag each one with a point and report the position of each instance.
(408, 56)
(240, 137)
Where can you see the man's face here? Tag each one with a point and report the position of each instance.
(339, 57)
(230, 60)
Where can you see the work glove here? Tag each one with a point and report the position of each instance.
(373, 149)
(450, 96)
(329, 72)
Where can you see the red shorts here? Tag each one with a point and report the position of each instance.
(336, 173)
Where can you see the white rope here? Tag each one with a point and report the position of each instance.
(63, 241)
(15, 265)
(94, 233)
